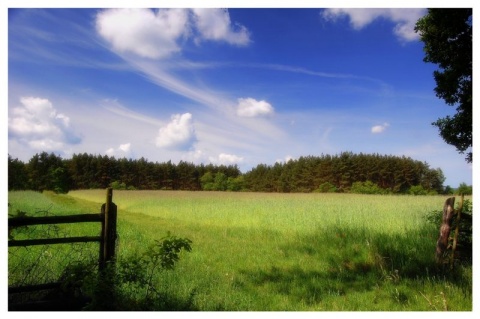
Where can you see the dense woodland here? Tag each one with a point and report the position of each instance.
(345, 172)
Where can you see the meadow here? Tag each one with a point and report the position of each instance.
(284, 252)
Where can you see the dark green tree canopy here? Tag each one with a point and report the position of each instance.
(344, 172)
(447, 35)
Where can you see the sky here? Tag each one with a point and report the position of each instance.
(237, 86)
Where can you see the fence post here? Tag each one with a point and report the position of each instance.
(109, 230)
(442, 242)
(457, 228)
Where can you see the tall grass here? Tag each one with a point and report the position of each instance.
(254, 251)
(46, 263)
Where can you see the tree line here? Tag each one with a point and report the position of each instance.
(345, 172)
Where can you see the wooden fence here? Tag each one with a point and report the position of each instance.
(106, 238)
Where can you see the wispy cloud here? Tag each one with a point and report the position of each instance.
(222, 115)
(114, 106)
(268, 66)
(380, 86)
(295, 69)
(155, 73)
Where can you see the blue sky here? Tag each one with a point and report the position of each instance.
(239, 86)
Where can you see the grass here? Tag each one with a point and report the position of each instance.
(292, 252)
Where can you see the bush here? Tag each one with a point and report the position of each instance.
(464, 240)
(326, 187)
(367, 187)
(128, 283)
(118, 185)
(417, 190)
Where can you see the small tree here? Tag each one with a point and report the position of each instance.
(220, 182)
(60, 180)
(207, 181)
(235, 184)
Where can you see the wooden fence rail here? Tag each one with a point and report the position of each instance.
(106, 239)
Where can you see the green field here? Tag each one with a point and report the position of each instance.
(293, 252)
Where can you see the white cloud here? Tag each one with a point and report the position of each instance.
(125, 147)
(195, 156)
(405, 19)
(147, 33)
(155, 34)
(37, 124)
(179, 134)
(122, 150)
(46, 144)
(226, 159)
(287, 159)
(249, 107)
(380, 128)
(215, 24)
(110, 152)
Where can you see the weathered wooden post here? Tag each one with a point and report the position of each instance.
(442, 242)
(109, 230)
(457, 229)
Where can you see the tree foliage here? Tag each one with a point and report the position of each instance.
(17, 174)
(345, 172)
(367, 187)
(464, 189)
(447, 35)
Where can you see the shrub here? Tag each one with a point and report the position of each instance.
(464, 240)
(367, 187)
(326, 187)
(128, 284)
(417, 190)
(118, 185)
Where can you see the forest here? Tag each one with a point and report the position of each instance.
(344, 172)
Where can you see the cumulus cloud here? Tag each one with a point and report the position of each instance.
(155, 34)
(226, 159)
(122, 150)
(405, 19)
(380, 128)
(249, 107)
(178, 134)
(147, 33)
(38, 124)
(215, 24)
